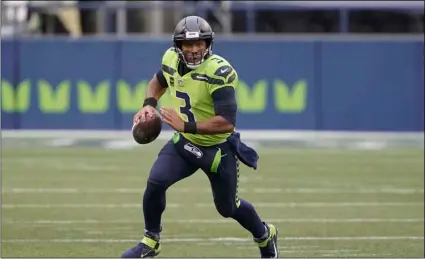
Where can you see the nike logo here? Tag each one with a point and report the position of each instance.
(224, 70)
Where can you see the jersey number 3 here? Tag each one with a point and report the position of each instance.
(186, 108)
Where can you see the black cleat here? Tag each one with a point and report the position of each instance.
(149, 246)
(268, 247)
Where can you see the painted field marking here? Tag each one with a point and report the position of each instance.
(217, 221)
(207, 190)
(327, 204)
(228, 239)
(203, 205)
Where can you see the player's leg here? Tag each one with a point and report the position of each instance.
(168, 169)
(224, 185)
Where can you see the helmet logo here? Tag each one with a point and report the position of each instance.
(192, 34)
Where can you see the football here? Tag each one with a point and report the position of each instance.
(147, 131)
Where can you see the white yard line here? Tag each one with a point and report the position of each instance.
(203, 205)
(357, 255)
(207, 190)
(228, 239)
(246, 135)
(77, 206)
(331, 251)
(326, 204)
(217, 221)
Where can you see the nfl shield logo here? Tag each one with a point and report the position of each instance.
(180, 82)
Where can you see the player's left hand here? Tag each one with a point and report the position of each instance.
(171, 117)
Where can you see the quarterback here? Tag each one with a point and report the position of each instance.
(203, 114)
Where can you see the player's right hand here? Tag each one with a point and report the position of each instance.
(147, 111)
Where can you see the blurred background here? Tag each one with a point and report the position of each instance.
(227, 17)
(331, 95)
(306, 65)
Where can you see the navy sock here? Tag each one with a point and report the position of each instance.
(153, 206)
(249, 219)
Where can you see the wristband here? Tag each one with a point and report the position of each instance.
(150, 101)
(190, 127)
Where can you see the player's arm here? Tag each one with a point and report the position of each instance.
(156, 88)
(225, 109)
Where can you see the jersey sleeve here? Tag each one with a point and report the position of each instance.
(225, 105)
(166, 61)
(224, 75)
(161, 79)
(167, 70)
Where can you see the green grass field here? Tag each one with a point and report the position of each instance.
(86, 202)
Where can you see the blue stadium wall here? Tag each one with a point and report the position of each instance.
(297, 84)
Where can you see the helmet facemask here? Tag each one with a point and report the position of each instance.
(193, 59)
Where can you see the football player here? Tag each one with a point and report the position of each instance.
(202, 86)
